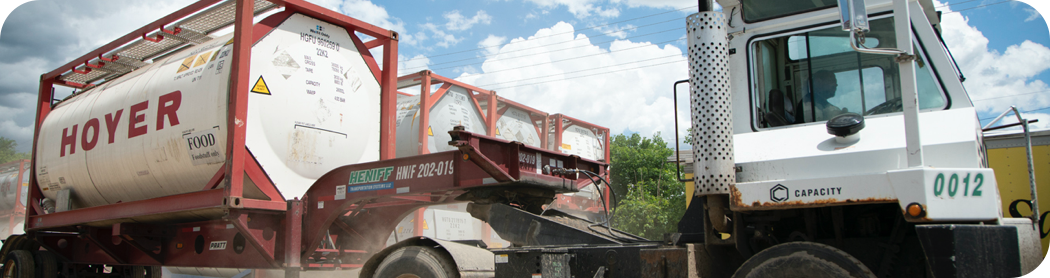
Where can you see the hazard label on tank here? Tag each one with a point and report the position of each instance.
(202, 59)
(260, 87)
(186, 64)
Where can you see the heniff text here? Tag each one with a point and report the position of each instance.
(370, 175)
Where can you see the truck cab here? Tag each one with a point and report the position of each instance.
(898, 194)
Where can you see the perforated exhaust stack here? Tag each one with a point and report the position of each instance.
(710, 101)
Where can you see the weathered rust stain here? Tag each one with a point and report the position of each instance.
(735, 197)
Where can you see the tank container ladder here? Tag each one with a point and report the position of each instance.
(1028, 150)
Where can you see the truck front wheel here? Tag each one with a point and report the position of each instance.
(802, 259)
(416, 262)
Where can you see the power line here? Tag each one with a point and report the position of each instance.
(583, 70)
(527, 55)
(584, 56)
(1014, 95)
(555, 34)
(540, 46)
(981, 6)
(957, 3)
(1026, 111)
(575, 77)
(562, 60)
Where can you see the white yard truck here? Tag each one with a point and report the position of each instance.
(831, 139)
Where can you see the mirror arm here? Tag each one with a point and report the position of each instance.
(862, 49)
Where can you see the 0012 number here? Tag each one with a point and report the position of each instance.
(952, 185)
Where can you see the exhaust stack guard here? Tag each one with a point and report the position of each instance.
(710, 104)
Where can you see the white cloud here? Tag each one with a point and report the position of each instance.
(366, 11)
(611, 12)
(407, 65)
(995, 80)
(1032, 15)
(579, 8)
(659, 4)
(71, 28)
(619, 32)
(457, 22)
(443, 39)
(491, 45)
(558, 71)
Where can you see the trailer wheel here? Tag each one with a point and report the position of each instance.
(19, 264)
(145, 272)
(802, 259)
(416, 262)
(46, 264)
(10, 244)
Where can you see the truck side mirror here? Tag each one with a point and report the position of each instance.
(854, 18)
(853, 15)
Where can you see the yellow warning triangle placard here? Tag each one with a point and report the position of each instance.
(203, 58)
(260, 87)
(497, 132)
(430, 131)
(186, 64)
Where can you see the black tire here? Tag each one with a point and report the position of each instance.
(24, 243)
(802, 259)
(19, 264)
(417, 262)
(46, 264)
(145, 272)
(9, 245)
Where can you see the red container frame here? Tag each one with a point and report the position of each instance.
(239, 162)
(276, 233)
(557, 122)
(481, 100)
(104, 221)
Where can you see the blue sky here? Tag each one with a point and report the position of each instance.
(609, 62)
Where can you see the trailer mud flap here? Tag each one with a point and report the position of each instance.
(971, 250)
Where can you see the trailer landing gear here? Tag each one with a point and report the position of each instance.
(416, 262)
(803, 259)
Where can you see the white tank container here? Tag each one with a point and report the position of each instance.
(10, 185)
(579, 141)
(314, 106)
(516, 125)
(455, 107)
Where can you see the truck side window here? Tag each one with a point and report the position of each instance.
(813, 76)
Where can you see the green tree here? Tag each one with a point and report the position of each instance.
(651, 200)
(8, 153)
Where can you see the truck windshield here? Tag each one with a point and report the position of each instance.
(814, 75)
(757, 10)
